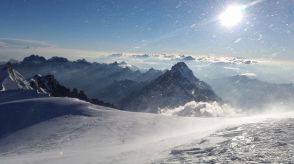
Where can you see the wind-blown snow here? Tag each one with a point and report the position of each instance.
(200, 109)
(270, 141)
(103, 135)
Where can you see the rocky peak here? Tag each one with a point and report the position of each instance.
(58, 59)
(34, 59)
(11, 79)
(174, 88)
(181, 70)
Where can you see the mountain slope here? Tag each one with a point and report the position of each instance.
(247, 92)
(118, 90)
(15, 115)
(174, 88)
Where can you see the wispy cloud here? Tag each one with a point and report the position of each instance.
(11, 48)
(22, 43)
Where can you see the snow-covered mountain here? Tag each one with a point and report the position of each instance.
(10, 79)
(174, 88)
(14, 86)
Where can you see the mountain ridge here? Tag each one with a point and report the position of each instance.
(174, 88)
(14, 84)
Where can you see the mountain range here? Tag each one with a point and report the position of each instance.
(248, 92)
(123, 87)
(42, 120)
(16, 86)
(89, 77)
(127, 87)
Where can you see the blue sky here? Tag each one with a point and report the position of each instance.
(147, 26)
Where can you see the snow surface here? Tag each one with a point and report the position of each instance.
(11, 95)
(104, 135)
(271, 141)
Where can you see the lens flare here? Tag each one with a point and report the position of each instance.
(232, 15)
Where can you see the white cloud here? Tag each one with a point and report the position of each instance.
(198, 58)
(200, 109)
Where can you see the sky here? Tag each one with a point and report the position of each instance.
(89, 28)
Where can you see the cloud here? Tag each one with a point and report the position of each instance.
(22, 44)
(200, 109)
(12, 48)
(198, 58)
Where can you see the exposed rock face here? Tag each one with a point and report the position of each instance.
(175, 87)
(48, 84)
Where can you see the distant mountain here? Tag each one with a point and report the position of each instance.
(247, 92)
(174, 88)
(48, 84)
(185, 58)
(116, 92)
(89, 77)
(34, 59)
(15, 86)
(149, 75)
(11, 79)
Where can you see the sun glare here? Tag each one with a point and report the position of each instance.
(231, 16)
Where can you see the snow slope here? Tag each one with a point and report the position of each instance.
(11, 95)
(95, 134)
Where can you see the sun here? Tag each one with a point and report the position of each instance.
(232, 15)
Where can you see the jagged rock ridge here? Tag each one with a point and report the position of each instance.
(175, 87)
